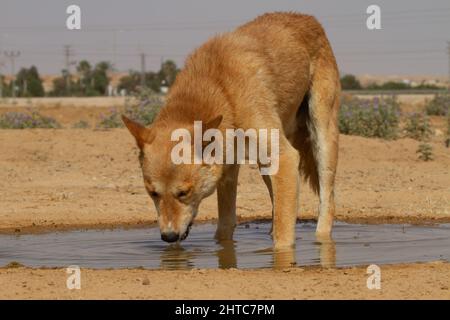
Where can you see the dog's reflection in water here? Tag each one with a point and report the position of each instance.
(286, 258)
(176, 257)
(226, 255)
(327, 252)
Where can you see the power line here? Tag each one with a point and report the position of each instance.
(142, 55)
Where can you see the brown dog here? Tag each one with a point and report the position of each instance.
(277, 71)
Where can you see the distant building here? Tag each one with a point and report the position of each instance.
(164, 88)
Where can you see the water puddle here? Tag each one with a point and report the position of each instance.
(354, 244)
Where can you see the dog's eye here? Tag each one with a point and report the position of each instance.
(154, 194)
(182, 194)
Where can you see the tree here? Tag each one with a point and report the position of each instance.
(5, 90)
(132, 82)
(29, 83)
(168, 72)
(100, 80)
(65, 86)
(350, 82)
(153, 80)
(84, 73)
(89, 82)
(59, 87)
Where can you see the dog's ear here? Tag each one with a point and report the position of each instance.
(141, 134)
(213, 124)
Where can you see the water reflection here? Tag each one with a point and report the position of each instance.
(177, 257)
(226, 255)
(284, 258)
(327, 252)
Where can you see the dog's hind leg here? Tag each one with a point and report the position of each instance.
(285, 186)
(268, 183)
(324, 134)
(226, 197)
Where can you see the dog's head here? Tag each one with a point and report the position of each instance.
(176, 189)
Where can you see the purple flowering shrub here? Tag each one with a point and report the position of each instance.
(27, 120)
(377, 117)
(143, 111)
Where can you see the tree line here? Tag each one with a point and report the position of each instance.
(351, 82)
(93, 80)
(88, 80)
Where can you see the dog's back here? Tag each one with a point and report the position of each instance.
(271, 57)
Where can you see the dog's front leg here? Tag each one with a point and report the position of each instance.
(285, 187)
(226, 197)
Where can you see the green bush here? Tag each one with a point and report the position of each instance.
(439, 105)
(425, 151)
(82, 124)
(378, 117)
(418, 126)
(350, 82)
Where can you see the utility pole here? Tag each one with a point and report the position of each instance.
(1, 80)
(68, 52)
(12, 55)
(142, 69)
(114, 47)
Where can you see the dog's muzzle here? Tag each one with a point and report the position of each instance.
(186, 233)
(170, 236)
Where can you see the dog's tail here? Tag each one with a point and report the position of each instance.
(304, 144)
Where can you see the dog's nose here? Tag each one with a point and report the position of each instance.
(170, 236)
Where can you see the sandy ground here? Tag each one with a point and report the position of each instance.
(413, 281)
(83, 178)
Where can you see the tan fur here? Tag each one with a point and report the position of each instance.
(277, 71)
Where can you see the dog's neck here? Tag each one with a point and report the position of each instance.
(199, 99)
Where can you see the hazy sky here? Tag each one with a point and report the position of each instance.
(412, 40)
